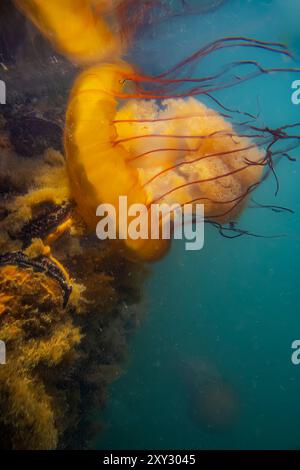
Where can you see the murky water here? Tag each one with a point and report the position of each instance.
(234, 306)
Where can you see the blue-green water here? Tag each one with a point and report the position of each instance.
(236, 302)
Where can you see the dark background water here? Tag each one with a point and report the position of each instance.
(236, 303)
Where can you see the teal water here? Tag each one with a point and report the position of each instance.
(236, 302)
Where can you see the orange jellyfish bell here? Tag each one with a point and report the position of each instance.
(99, 167)
(181, 152)
(75, 27)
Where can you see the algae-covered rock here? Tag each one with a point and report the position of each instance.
(62, 313)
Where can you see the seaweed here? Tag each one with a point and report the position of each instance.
(63, 348)
(60, 356)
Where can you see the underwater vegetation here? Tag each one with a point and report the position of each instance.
(66, 335)
(68, 303)
(66, 338)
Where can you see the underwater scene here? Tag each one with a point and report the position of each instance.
(149, 217)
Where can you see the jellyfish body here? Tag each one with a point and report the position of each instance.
(75, 27)
(181, 152)
(213, 402)
(98, 166)
(141, 137)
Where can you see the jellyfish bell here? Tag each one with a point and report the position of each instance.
(212, 400)
(180, 152)
(76, 28)
(215, 407)
(98, 165)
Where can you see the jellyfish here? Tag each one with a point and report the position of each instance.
(213, 401)
(181, 152)
(150, 138)
(74, 28)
